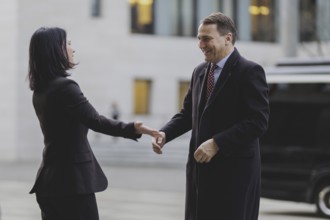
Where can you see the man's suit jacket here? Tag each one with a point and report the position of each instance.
(69, 166)
(235, 116)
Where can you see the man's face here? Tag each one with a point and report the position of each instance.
(214, 46)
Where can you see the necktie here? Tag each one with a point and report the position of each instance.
(210, 81)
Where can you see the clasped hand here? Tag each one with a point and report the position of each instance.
(158, 137)
(158, 142)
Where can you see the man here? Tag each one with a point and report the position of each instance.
(223, 168)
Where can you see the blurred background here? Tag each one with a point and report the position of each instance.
(136, 58)
(139, 54)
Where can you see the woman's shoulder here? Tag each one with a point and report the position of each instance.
(62, 80)
(63, 84)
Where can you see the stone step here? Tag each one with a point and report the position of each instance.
(122, 151)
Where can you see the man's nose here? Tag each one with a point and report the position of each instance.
(201, 44)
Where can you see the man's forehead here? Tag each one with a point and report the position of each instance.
(207, 30)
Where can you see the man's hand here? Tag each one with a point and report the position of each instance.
(206, 151)
(158, 142)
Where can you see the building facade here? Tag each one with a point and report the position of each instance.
(140, 54)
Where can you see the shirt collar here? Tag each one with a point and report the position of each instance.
(222, 62)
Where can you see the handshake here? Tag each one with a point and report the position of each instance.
(203, 154)
(158, 137)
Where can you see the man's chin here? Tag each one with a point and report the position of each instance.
(206, 59)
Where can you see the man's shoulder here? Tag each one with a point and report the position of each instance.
(200, 68)
(243, 61)
(236, 59)
(201, 65)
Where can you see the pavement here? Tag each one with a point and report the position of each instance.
(135, 192)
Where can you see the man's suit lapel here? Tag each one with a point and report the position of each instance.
(202, 95)
(224, 76)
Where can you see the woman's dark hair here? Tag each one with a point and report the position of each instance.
(48, 57)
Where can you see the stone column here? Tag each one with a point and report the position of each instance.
(289, 27)
(228, 8)
(243, 21)
(8, 88)
(166, 15)
(187, 19)
(323, 18)
(205, 8)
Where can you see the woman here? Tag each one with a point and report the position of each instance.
(69, 174)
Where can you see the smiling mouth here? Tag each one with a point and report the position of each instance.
(206, 52)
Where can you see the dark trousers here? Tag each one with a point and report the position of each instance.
(75, 207)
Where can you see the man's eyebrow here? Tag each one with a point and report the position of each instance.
(204, 36)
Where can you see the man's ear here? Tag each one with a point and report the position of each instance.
(229, 38)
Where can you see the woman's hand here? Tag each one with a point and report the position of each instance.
(142, 129)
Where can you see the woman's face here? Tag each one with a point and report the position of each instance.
(70, 51)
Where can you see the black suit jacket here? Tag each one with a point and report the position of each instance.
(69, 165)
(235, 116)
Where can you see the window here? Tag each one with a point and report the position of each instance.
(183, 89)
(142, 20)
(307, 20)
(262, 14)
(142, 90)
(96, 8)
(170, 17)
(256, 20)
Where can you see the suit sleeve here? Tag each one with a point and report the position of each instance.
(79, 108)
(255, 112)
(182, 121)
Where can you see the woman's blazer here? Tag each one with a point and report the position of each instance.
(69, 165)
